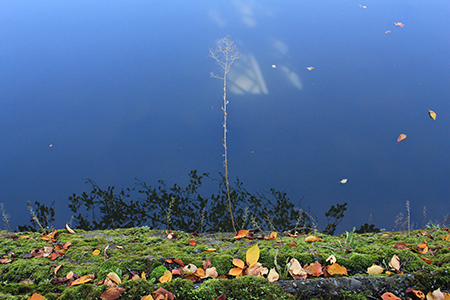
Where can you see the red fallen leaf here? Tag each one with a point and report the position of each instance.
(112, 293)
(418, 294)
(162, 294)
(428, 261)
(389, 296)
(192, 242)
(53, 256)
(221, 297)
(250, 236)
(36, 297)
(280, 241)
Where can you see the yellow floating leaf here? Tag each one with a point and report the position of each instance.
(312, 238)
(96, 252)
(374, 270)
(252, 256)
(337, 269)
(167, 277)
(273, 275)
(432, 114)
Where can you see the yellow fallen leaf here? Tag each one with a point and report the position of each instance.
(96, 252)
(252, 256)
(167, 277)
(211, 249)
(312, 238)
(337, 269)
(83, 279)
(374, 270)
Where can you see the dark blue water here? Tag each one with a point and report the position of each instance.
(122, 89)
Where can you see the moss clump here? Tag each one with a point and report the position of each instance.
(181, 288)
(158, 272)
(83, 291)
(247, 287)
(136, 289)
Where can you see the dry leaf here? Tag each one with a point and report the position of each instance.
(273, 275)
(112, 293)
(331, 259)
(211, 249)
(395, 263)
(389, 296)
(190, 269)
(70, 230)
(314, 269)
(27, 281)
(167, 277)
(296, 270)
(36, 297)
(293, 244)
(311, 238)
(374, 270)
(211, 272)
(417, 294)
(401, 137)
(252, 256)
(83, 279)
(96, 252)
(241, 234)
(337, 269)
(148, 297)
(436, 295)
(114, 277)
(162, 294)
(272, 236)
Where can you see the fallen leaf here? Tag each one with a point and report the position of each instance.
(311, 239)
(252, 256)
(417, 294)
(114, 277)
(211, 272)
(293, 244)
(211, 249)
(336, 269)
(428, 261)
(70, 230)
(167, 277)
(190, 269)
(162, 294)
(192, 242)
(395, 263)
(401, 246)
(27, 281)
(432, 114)
(96, 252)
(314, 269)
(238, 263)
(83, 279)
(401, 137)
(112, 293)
(241, 234)
(389, 296)
(374, 270)
(273, 275)
(148, 297)
(36, 297)
(331, 259)
(5, 260)
(436, 295)
(272, 236)
(296, 270)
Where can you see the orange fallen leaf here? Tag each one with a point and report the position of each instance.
(83, 279)
(293, 244)
(428, 261)
(417, 294)
(336, 269)
(314, 269)
(36, 297)
(311, 239)
(401, 137)
(241, 234)
(272, 236)
(389, 296)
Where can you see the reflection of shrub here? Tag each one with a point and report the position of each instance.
(184, 208)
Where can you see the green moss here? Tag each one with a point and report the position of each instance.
(158, 272)
(180, 287)
(83, 291)
(358, 263)
(136, 289)
(222, 262)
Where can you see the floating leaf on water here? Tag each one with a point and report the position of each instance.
(344, 181)
(432, 114)
(398, 24)
(401, 137)
(310, 68)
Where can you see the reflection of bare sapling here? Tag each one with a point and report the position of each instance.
(224, 55)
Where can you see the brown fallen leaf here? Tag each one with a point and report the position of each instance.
(112, 293)
(162, 294)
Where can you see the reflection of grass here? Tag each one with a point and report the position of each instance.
(144, 250)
